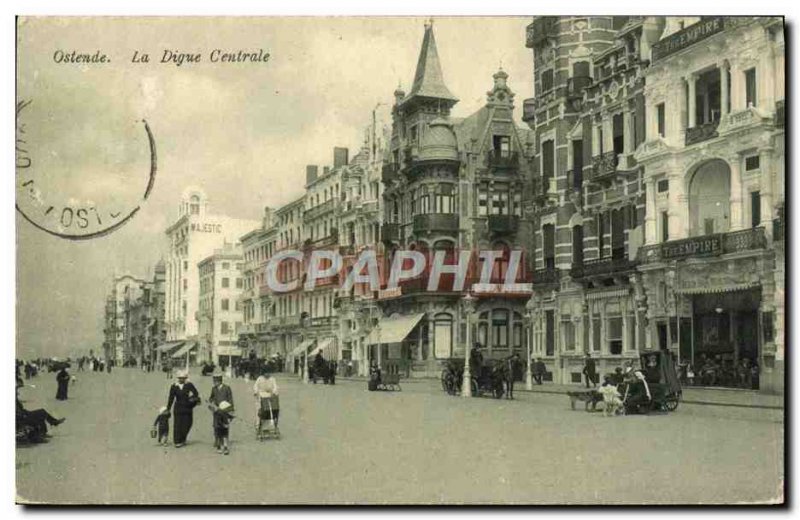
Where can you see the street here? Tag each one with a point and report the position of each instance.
(344, 445)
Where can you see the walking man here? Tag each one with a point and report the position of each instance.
(220, 393)
(590, 371)
(185, 397)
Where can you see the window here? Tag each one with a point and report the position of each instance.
(226, 265)
(225, 304)
(549, 336)
(755, 208)
(226, 282)
(443, 335)
(614, 333)
(224, 327)
(499, 329)
(502, 146)
(568, 329)
(663, 186)
(547, 81)
(483, 201)
(619, 133)
(662, 119)
(548, 163)
(517, 208)
(185, 265)
(239, 283)
(752, 163)
(549, 246)
(577, 245)
(577, 163)
(424, 200)
(750, 87)
(664, 226)
(708, 226)
(601, 234)
(185, 284)
(596, 332)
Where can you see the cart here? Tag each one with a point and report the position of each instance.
(662, 377)
(267, 413)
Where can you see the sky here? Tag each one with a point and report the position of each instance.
(242, 132)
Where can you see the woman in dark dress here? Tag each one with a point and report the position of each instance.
(185, 397)
(63, 383)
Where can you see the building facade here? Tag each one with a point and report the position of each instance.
(219, 313)
(193, 237)
(118, 345)
(714, 161)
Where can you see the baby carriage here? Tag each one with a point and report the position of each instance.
(267, 412)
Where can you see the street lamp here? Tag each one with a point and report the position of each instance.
(528, 375)
(305, 321)
(466, 382)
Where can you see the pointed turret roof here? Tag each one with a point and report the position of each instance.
(428, 80)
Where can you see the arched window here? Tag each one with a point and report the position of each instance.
(443, 335)
(194, 205)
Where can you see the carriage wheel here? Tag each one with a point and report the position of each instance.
(671, 403)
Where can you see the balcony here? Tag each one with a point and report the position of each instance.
(497, 160)
(780, 114)
(604, 167)
(545, 189)
(390, 232)
(705, 246)
(602, 267)
(317, 211)
(577, 84)
(529, 111)
(542, 28)
(503, 224)
(435, 222)
(389, 172)
(700, 133)
(546, 276)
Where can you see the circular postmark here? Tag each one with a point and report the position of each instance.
(76, 188)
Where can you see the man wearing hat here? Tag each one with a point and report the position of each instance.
(185, 397)
(220, 393)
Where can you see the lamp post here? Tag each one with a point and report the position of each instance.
(305, 321)
(466, 384)
(528, 340)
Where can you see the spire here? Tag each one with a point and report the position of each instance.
(428, 80)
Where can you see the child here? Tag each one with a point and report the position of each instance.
(222, 421)
(161, 426)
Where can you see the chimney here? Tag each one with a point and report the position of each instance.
(311, 173)
(267, 220)
(339, 156)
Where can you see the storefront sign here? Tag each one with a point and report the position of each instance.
(700, 246)
(205, 228)
(501, 288)
(687, 37)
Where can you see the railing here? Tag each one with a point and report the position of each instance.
(529, 110)
(316, 211)
(603, 166)
(602, 266)
(707, 245)
(700, 133)
(542, 28)
(546, 276)
(503, 224)
(435, 222)
(322, 321)
(780, 113)
(499, 160)
(390, 232)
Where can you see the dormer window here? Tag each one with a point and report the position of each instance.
(502, 146)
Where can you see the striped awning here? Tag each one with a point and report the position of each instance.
(184, 349)
(169, 345)
(303, 347)
(325, 346)
(719, 289)
(393, 330)
(607, 293)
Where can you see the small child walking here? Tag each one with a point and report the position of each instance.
(161, 426)
(222, 422)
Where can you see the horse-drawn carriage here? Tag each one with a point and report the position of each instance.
(662, 379)
(487, 379)
(324, 370)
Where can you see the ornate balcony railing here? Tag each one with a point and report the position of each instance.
(425, 223)
(546, 276)
(602, 266)
(700, 133)
(319, 210)
(603, 166)
(542, 28)
(502, 161)
(503, 224)
(707, 245)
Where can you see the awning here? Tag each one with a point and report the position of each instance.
(393, 330)
(169, 345)
(303, 347)
(323, 346)
(184, 349)
(710, 289)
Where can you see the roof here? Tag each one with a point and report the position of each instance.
(428, 79)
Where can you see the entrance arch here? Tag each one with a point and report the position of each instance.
(710, 198)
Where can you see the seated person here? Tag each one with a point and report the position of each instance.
(36, 420)
(637, 394)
